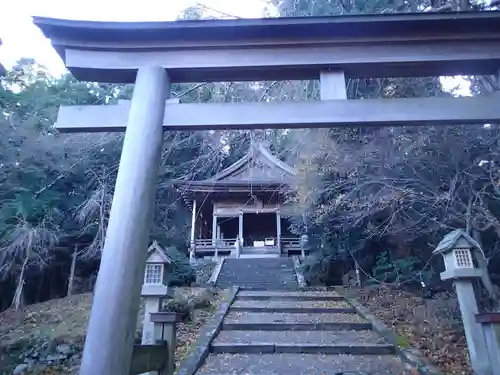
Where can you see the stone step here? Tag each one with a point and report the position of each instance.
(310, 364)
(271, 262)
(271, 348)
(279, 295)
(259, 286)
(276, 275)
(251, 275)
(301, 326)
(334, 307)
(326, 342)
(268, 285)
(294, 322)
(262, 280)
(284, 288)
(262, 270)
(285, 297)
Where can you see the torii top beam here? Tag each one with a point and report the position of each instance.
(423, 44)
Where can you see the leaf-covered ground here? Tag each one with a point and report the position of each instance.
(432, 326)
(64, 321)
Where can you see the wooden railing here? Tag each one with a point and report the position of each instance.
(226, 246)
(214, 247)
(225, 242)
(292, 245)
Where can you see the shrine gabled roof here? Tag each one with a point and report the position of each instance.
(258, 169)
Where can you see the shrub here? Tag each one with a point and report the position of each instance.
(182, 274)
(186, 306)
(398, 270)
(204, 299)
(179, 304)
(323, 269)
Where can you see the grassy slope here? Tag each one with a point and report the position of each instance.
(65, 320)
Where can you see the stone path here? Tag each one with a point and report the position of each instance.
(298, 333)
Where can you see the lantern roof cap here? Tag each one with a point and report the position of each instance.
(155, 247)
(449, 242)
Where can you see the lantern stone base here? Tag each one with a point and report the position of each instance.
(165, 326)
(461, 273)
(490, 324)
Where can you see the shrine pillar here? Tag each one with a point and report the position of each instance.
(214, 229)
(240, 229)
(111, 330)
(278, 231)
(193, 231)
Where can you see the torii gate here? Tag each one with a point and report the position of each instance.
(155, 54)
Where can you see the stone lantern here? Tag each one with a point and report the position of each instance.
(463, 259)
(460, 253)
(155, 287)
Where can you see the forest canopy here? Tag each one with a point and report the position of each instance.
(378, 197)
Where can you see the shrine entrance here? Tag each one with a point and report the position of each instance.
(331, 49)
(242, 210)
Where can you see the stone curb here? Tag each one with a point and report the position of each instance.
(216, 271)
(411, 356)
(201, 348)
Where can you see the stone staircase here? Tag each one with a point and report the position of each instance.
(258, 273)
(298, 333)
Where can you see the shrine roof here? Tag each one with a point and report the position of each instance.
(258, 170)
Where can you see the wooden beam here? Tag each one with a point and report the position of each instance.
(282, 61)
(310, 114)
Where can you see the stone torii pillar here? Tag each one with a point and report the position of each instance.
(111, 330)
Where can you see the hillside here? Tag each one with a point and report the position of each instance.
(48, 337)
(433, 326)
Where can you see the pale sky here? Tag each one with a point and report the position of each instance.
(22, 39)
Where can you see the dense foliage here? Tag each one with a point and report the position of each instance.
(378, 197)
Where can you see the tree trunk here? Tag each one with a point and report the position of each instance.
(72, 271)
(19, 289)
(468, 215)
